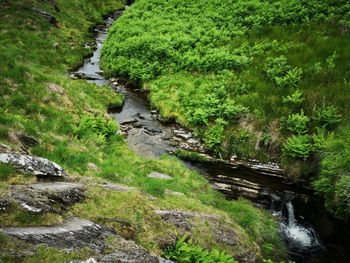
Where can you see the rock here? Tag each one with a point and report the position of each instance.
(161, 176)
(172, 193)
(153, 129)
(33, 165)
(117, 187)
(56, 89)
(93, 167)
(114, 107)
(26, 140)
(181, 219)
(4, 204)
(4, 148)
(185, 136)
(78, 233)
(128, 121)
(217, 228)
(73, 234)
(46, 197)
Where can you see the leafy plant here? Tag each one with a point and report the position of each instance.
(95, 125)
(327, 117)
(187, 252)
(295, 99)
(297, 123)
(297, 146)
(214, 135)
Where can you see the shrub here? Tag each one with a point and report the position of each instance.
(215, 135)
(327, 117)
(297, 123)
(98, 125)
(295, 99)
(297, 146)
(187, 252)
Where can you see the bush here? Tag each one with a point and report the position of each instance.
(294, 100)
(215, 135)
(297, 123)
(297, 146)
(97, 125)
(327, 117)
(187, 252)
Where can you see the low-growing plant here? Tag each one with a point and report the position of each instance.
(185, 251)
(327, 117)
(297, 123)
(98, 125)
(297, 146)
(215, 135)
(294, 100)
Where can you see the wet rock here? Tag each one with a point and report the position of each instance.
(73, 234)
(114, 107)
(117, 187)
(128, 121)
(160, 176)
(89, 260)
(33, 165)
(46, 197)
(153, 129)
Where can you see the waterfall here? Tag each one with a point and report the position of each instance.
(296, 233)
(291, 217)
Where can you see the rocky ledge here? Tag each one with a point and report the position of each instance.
(34, 165)
(78, 233)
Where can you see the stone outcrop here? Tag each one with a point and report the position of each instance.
(78, 233)
(33, 165)
(160, 176)
(46, 197)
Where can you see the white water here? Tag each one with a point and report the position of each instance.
(297, 233)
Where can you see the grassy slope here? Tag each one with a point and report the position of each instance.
(35, 57)
(257, 79)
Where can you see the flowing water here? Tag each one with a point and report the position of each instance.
(310, 233)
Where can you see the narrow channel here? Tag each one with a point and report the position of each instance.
(310, 233)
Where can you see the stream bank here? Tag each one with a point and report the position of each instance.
(311, 234)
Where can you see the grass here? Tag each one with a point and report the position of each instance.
(38, 99)
(248, 77)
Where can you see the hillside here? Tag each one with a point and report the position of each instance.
(98, 198)
(253, 79)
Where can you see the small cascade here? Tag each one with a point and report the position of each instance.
(300, 238)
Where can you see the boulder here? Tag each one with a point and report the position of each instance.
(33, 165)
(160, 176)
(46, 197)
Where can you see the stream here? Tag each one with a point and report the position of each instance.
(310, 233)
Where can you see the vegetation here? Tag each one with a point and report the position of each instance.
(187, 252)
(68, 118)
(254, 79)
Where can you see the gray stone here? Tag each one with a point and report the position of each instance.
(73, 234)
(128, 121)
(33, 165)
(46, 197)
(92, 167)
(161, 176)
(172, 193)
(117, 187)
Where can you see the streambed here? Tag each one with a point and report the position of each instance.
(311, 234)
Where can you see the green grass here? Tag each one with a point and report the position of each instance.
(248, 77)
(31, 66)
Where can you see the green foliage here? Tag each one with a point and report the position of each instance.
(333, 182)
(297, 123)
(98, 125)
(297, 146)
(214, 135)
(327, 117)
(294, 100)
(187, 252)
